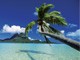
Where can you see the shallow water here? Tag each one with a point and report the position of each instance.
(21, 51)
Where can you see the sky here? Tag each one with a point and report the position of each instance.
(15, 15)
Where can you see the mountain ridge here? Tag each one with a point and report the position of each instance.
(20, 38)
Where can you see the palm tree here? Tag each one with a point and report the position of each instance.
(45, 19)
(72, 43)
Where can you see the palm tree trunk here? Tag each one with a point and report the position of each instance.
(42, 30)
(74, 44)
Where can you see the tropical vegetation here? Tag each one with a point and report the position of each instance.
(44, 22)
(45, 18)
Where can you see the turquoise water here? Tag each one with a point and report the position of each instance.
(18, 51)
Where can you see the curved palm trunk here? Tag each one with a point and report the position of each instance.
(41, 29)
(74, 44)
(47, 40)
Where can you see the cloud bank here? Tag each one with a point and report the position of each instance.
(76, 33)
(31, 38)
(12, 29)
(62, 31)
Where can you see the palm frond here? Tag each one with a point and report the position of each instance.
(55, 18)
(37, 9)
(47, 7)
(51, 29)
(43, 9)
(29, 27)
(53, 13)
(59, 20)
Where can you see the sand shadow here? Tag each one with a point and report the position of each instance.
(30, 56)
(36, 52)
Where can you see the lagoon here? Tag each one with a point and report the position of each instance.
(29, 51)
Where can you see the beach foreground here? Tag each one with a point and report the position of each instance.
(21, 51)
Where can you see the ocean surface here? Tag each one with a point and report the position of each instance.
(23, 51)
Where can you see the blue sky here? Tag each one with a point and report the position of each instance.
(18, 13)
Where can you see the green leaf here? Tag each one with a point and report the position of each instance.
(60, 20)
(53, 13)
(29, 27)
(51, 29)
(47, 7)
(43, 9)
(55, 18)
(37, 9)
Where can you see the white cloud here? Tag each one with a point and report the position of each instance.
(40, 40)
(30, 38)
(48, 36)
(74, 34)
(62, 31)
(35, 13)
(12, 29)
(72, 25)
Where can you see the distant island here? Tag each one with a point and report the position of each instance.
(20, 38)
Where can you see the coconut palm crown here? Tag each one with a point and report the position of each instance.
(45, 18)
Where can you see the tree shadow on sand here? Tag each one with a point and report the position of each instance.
(36, 52)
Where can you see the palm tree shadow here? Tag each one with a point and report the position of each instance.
(30, 56)
(36, 52)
